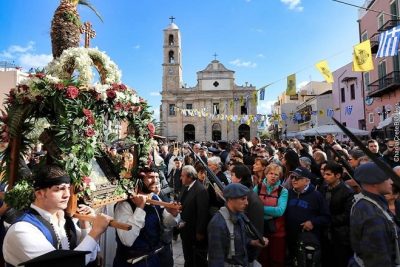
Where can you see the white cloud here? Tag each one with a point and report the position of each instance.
(293, 4)
(261, 55)
(155, 93)
(246, 64)
(264, 107)
(24, 56)
(136, 46)
(34, 60)
(13, 50)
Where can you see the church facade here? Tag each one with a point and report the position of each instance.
(216, 108)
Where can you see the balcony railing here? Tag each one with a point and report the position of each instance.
(389, 24)
(384, 85)
(374, 43)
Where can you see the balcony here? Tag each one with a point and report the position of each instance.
(384, 85)
(389, 24)
(374, 43)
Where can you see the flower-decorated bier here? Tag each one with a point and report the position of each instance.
(79, 116)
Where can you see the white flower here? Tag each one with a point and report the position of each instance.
(92, 186)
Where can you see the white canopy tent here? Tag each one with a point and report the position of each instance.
(330, 129)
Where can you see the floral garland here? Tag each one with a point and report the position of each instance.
(82, 59)
(76, 113)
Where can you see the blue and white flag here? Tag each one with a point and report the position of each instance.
(348, 110)
(284, 116)
(389, 42)
(330, 112)
(262, 93)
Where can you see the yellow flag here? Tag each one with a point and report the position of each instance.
(241, 100)
(291, 84)
(362, 57)
(231, 104)
(321, 112)
(323, 67)
(255, 97)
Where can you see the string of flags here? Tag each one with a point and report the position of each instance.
(362, 60)
(246, 119)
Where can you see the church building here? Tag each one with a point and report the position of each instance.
(214, 109)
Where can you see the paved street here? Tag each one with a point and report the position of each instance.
(178, 254)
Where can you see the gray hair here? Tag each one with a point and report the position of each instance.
(397, 168)
(190, 171)
(214, 160)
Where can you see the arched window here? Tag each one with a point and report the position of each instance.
(171, 57)
(189, 133)
(244, 131)
(171, 40)
(216, 132)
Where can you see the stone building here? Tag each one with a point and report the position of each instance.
(214, 94)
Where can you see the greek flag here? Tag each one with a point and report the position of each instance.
(348, 110)
(284, 116)
(389, 42)
(330, 112)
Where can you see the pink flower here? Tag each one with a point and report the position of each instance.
(111, 94)
(152, 129)
(86, 179)
(90, 132)
(87, 113)
(115, 86)
(136, 108)
(122, 87)
(59, 86)
(118, 106)
(40, 75)
(72, 92)
(90, 120)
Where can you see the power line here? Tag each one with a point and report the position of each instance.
(366, 8)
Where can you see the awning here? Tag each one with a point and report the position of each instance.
(386, 122)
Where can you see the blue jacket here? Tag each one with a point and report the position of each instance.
(309, 205)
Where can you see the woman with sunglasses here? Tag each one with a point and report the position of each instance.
(274, 197)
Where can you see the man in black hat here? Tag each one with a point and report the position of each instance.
(44, 227)
(306, 214)
(227, 237)
(223, 146)
(373, 232)
(143, 241)
(174, 177)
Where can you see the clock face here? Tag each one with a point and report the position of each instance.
(369, 101)
(170, 71)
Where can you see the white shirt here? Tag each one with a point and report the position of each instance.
(123, 213)
(24, 241)
(191, 185)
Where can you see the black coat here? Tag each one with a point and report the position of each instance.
(194, 212)
(340, 199)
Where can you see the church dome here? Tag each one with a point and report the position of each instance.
(172, 26)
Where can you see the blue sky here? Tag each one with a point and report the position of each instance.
(263, 41)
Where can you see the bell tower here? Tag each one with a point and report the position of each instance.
(172, 58)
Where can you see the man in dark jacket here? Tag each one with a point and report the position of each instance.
(229, 245)
(373, 232)
(336, 249)
(195, 217)
(306, 212)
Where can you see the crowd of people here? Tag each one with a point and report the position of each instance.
(239, 203)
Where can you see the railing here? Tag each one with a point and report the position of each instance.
(374, 39)
(380, 86)
(389, 24)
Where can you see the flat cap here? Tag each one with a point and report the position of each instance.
(302, 172)
(235, 190)
(306, 160)
(214, 150)
(369, 173)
